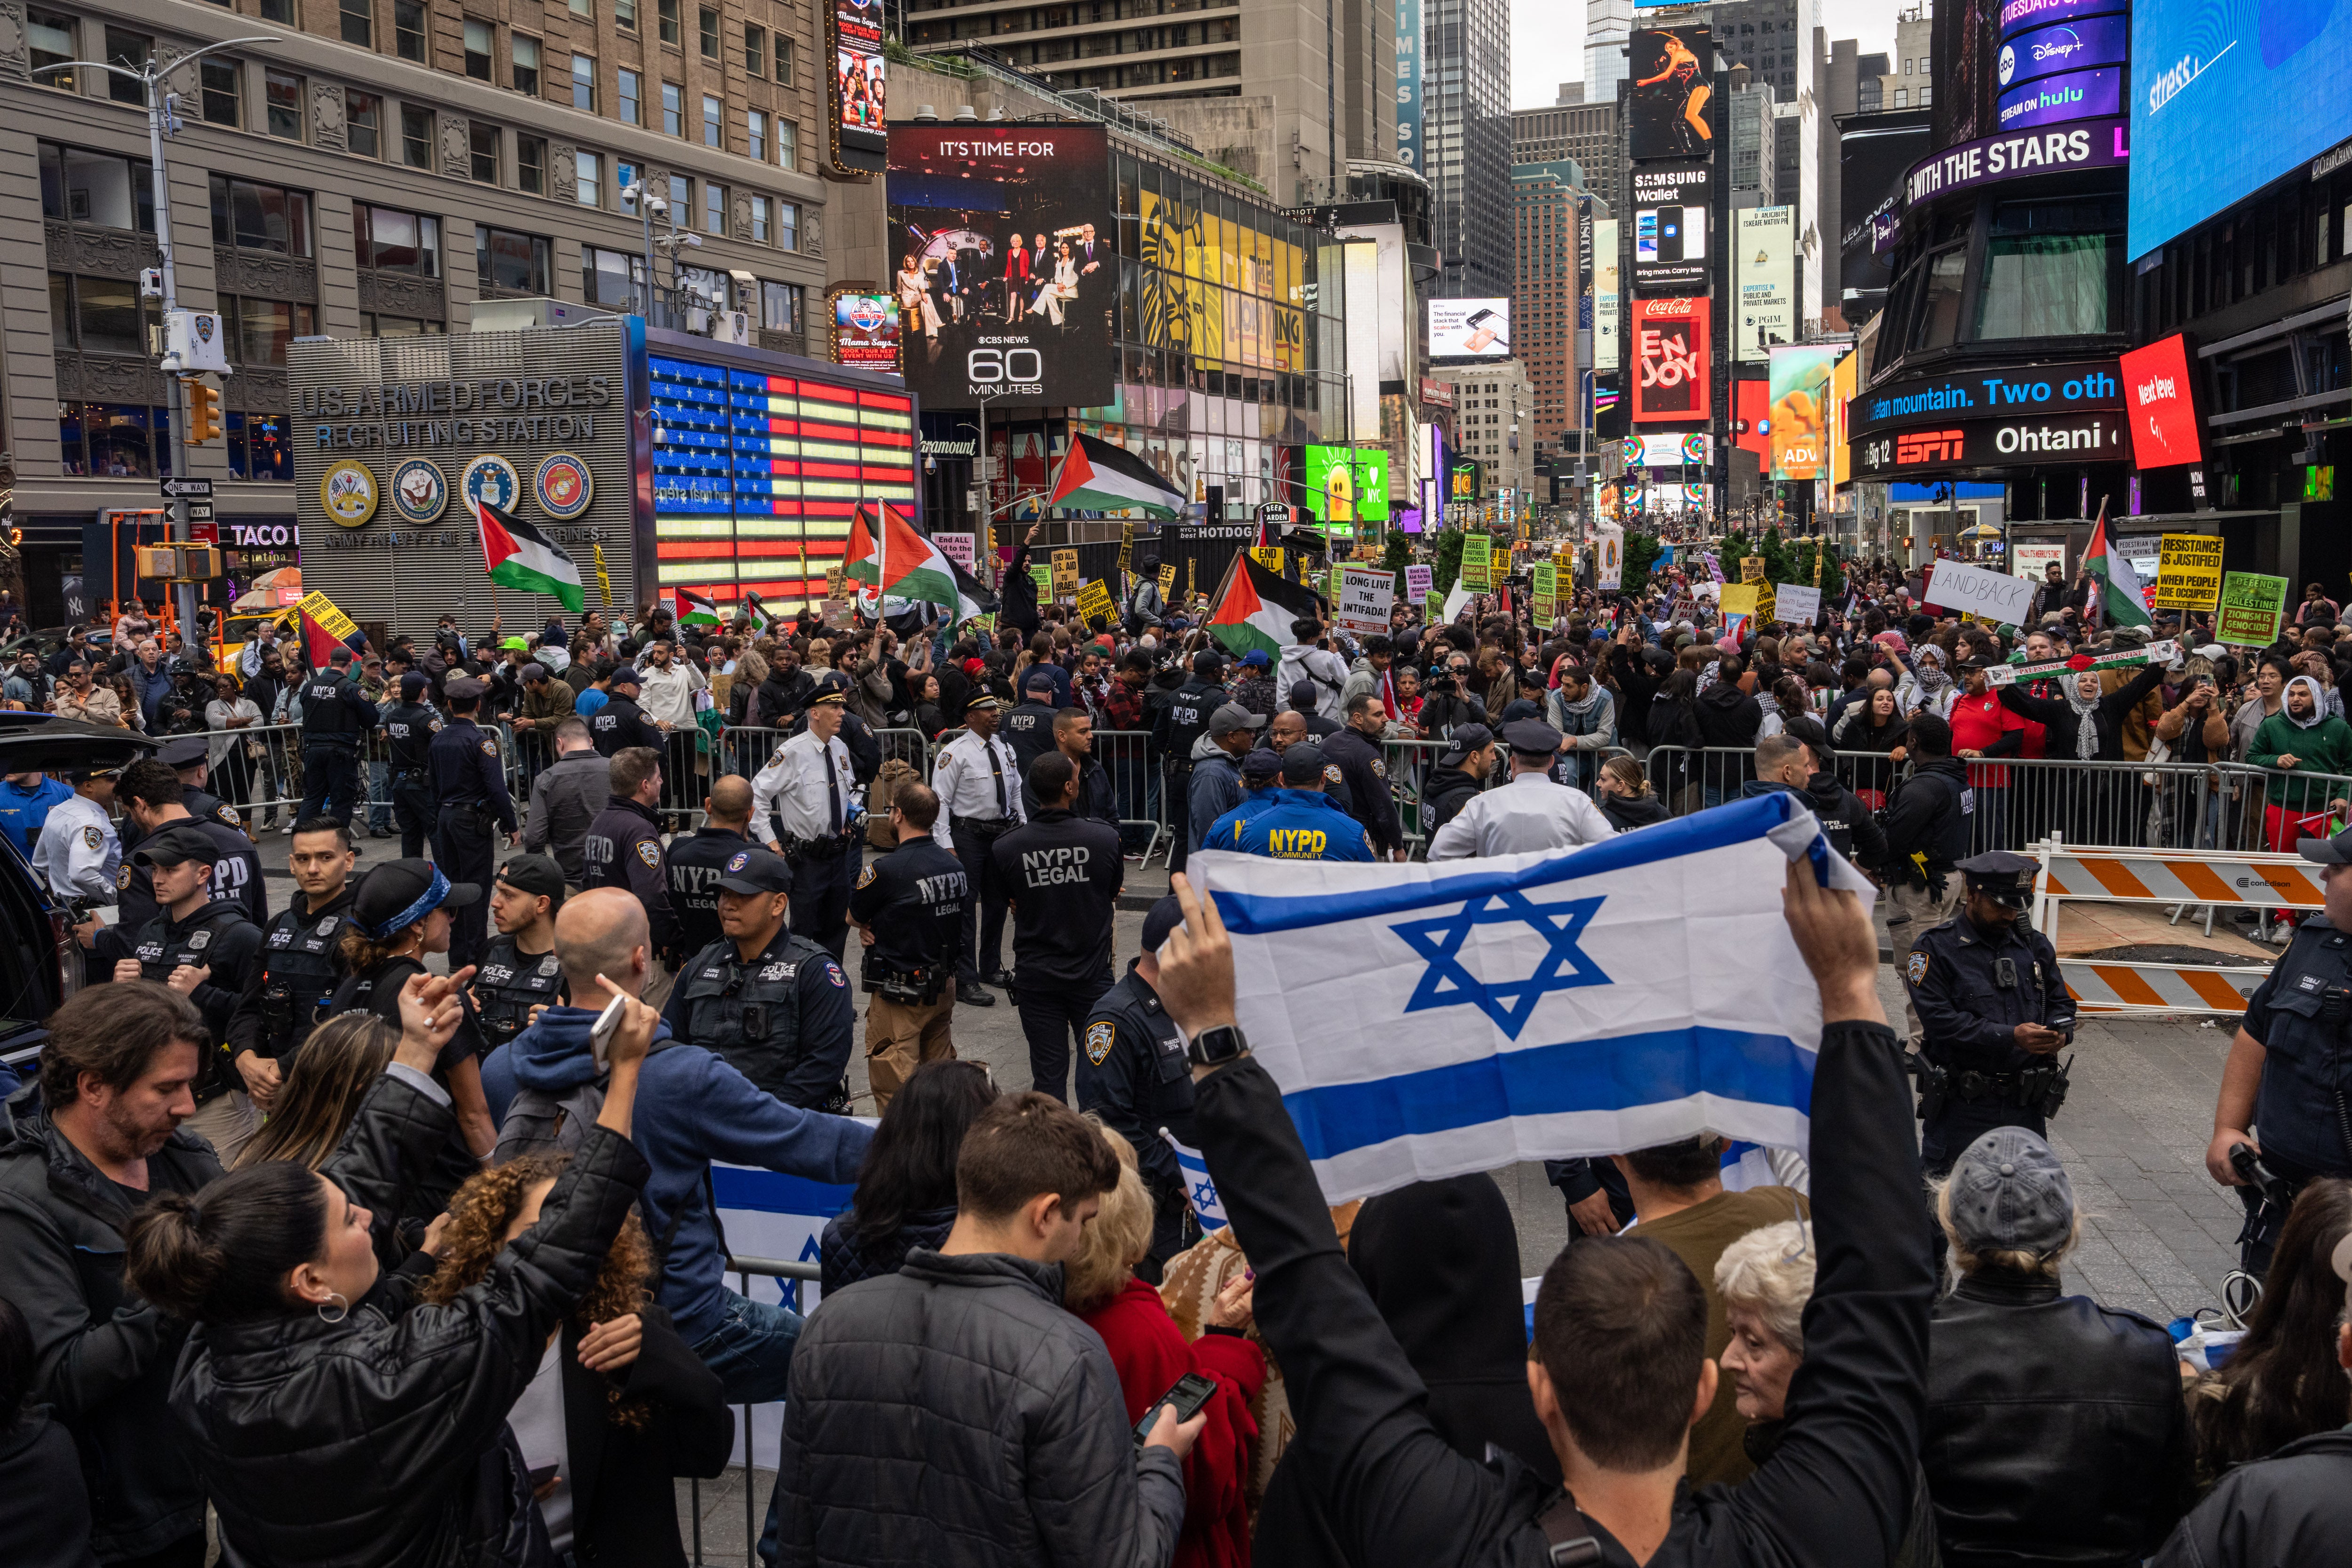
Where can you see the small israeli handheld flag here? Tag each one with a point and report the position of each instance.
(1429, 1020)
(1200, 1191)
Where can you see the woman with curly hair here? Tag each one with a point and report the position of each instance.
(332, 1071)
(620, 1407)
(2282, 1382)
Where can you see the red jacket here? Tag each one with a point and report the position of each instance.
(1151, 1354)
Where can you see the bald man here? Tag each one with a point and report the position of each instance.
(697, 860)
(692, 1109)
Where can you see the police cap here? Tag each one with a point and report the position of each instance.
(465, 689)
(1469, 738)
(830, 692)
(184, 752)
(2008, 876)
(180, 842)
(1302, 764)
(753, 869)
(624, 676)
(1167, 914)
(1262, 765)
(2334, 851)
(1532, 738)
(981, 702)
(537, 875)
(413, 685)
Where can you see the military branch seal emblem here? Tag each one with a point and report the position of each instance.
(348, 493)
(564, 487)
(420, 491)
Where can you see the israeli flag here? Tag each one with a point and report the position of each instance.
(1746, 1165)
(1200, 1191)
(1428, 1020)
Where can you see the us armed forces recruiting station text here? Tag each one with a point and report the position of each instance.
(503, 410)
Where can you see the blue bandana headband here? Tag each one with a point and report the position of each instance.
(424, 905)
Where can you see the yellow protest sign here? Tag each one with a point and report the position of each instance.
(1125, 545)
(1751, 568)
(1167, 581)
(1065, 573)
(1767, 602)
(2188, 571)
(1477, 563)
(1094, 601)
(331, 621)
(1269, 558)
(1737, 598)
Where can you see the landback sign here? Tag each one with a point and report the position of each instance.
(1999, 597)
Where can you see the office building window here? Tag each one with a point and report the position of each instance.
(255, 217)
(50, 37)
(584, 82)
(585, 9)
(708, 31)
(588, 179)
(714, 208)
(408, 30)
(713, 122)
(514, 262)
(788, 225)
(374, 326)
(482, 143)
(1902, 98)
(416, 137)
(285, 95)
(788, 144)
(258, 446)
(96, 190)
(526, 64)
(785, 76)
(673, 110)
(390, 240)
(755, 126)
(755, 50)
(760, 220)
(130, 50)
(780, 307)
(363, 122)
(632, 92)
(114, 439)
(670, 27)
(610, 278)
(99, 315)
(260, 330)
(276, 11)
(624, 177)
(681, 200)
(480, 57)
(530, 165)
(625, 15)
(359, 21)
(221, 90)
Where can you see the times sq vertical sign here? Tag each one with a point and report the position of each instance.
(1409, 83)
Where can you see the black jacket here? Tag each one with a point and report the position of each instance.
(102, 1358)
(1637, 687)
(2107, 718)
(1369, 799)
(381, 1442)
(1833, 802)
(1019, 594)
(1628, 811)
(2295, 1507)
(1392, 1488)
(1728, 717)
(624, 1479)
(2056, 1431)
(44, 1508)
(846, 1257)
(1923, 816)
(1447, 791)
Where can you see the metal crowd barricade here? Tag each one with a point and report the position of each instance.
(1137, 789)
(266, 787)
(754, 1505)
(1409, 763)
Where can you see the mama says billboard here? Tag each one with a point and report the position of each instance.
(1003, 263)
(1670, 360)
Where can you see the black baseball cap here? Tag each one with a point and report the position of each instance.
(1302, 764)
(753, 869)
(1262, 765)
(399, 894)
(173, 846)
(1465, 740)
(413, 684)
(1165, 917)
(537, 875)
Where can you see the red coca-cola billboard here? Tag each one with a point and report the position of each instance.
(1670, 361)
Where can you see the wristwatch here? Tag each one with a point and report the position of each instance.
(1215, 1048)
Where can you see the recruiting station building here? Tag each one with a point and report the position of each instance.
(654, 459)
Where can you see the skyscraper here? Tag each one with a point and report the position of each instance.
(1547, 198)
(1466, 96)
(1577, 128)
(1608, 25)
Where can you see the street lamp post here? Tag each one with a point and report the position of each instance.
(161, 123)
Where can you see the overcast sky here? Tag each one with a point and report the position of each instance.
(1547, 40)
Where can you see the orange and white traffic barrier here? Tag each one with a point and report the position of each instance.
(2256, 879)
(2099, 987)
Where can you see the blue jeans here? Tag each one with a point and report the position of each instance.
(751, 1351)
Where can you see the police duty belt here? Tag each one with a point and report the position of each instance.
(2130, 659)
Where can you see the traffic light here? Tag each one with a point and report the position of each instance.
(204, 414)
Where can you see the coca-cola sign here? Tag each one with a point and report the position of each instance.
(1670, 361)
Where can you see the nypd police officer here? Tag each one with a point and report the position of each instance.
(410, 725)
(623, 848)
(908, 907)
(803, 807)
(774, 1005)
(336, 719)
(621, 723)
(1356, 750)
(151, 796)
(1064, 872)
(1179, 722)
(695, 860)
(302, 959)
(518, 972)
(1297, 820)
(2289, 1074)
(470, 794)
(1132, 1074)
(1994, 1013)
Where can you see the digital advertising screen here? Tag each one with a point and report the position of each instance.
(1346, 485)
(1668, 449)
(859, 88)
(1002, 256)
(2227, 98)
(1764, 281)
(1670, 108)
(2157, 394)
(2062, 47)
(1670, 360)
(2054, 99)
(865, 331)
(1800, 411)
(1671, 214)
(1469, 329)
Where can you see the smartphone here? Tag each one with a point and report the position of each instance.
(541, 1476)
(601, 1032)
(1190, 1393)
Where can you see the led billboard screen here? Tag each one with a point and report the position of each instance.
(866, 330)
(1801, 410)
(2076, 95)
(2062, 47)
(1670, 360)
(1764, 281)
(1341, 491)
(1671, 224)
(1670, 105)
(859, 88)
(1469, 329)
(2226, 99)
(2163, 413)
(1002, 257)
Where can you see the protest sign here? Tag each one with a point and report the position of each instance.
(2033, 561)
(1477, 563)
(1043, 574)
(2252, 609)
(1609, 558)
(1606, 1047)
(1268, 557)
(956, 547)
(1168, 582)
(1797, 606)
(2129, 658)
(2187, 572)
(1365, 594)
(1065, 573)
(322, 611)
(1737, 598)
(1545, 578)
(1751, 568)
(1095, 602)
(1126, 546)
(1956, 585)
(1419, 581)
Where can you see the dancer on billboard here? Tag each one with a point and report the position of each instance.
(1678, 62)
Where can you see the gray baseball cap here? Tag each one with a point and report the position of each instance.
(2009, 1193)
(1232, 716)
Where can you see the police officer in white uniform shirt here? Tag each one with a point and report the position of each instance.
(1534, 811)
(978, 779)
(803, 808)
(78, 854)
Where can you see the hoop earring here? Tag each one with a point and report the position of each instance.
(343, 1309)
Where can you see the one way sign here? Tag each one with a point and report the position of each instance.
(178, 489)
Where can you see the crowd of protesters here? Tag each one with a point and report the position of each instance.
(457, 1305)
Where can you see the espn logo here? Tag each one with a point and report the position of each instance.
(1929, 447)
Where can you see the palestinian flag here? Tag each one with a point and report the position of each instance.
(690, 608)
(2121, 601)
(896, 560)
(1254, 609)
(972, 598)
(320, 643)
(757, 612)
(1095, 475)
(518, 555)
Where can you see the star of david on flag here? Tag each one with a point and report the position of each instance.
(1425, 1021)
(1200, 1191)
